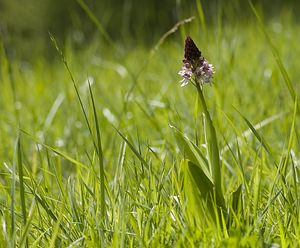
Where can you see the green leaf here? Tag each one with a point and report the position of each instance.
(191, 152)
(207, 191)
(203, 183)
(236, 198)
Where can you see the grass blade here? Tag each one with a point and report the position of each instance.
(75, 87)
(12, 204)
(58, 152)
(24, 237)
(134, 150)
(21, 181)
(201, 16)
(259, 137)
(275, 53)
(100, 156)
(55, 232)
(94, 19)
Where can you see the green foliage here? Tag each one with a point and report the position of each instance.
(105, 149)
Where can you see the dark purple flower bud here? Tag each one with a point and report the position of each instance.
(195, 68)
(191, 52)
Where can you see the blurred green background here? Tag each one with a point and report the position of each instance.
(24, 24)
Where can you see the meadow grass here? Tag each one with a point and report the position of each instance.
(105, 149)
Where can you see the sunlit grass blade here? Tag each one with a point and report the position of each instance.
(134, 150)
(259, 138)
(55, 232)
(97, 145)
(291, 134)
(280, 174)
(269, 205)
(21, 182)
(45, 205)
(24, 236)
(167, 34)
(13, 197)
(100, 156)
(57, 151)
(77, 242)
(242, 136)
(52, 215)
(75, 88)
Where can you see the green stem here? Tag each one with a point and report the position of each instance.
(213, 149)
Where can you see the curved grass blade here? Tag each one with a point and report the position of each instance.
(58, 152)
(134, 150)
(94, 19)
(275, 53)
(260, 138)
(249, 132)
